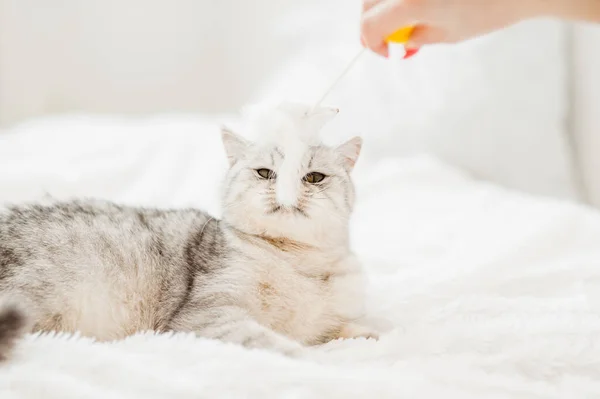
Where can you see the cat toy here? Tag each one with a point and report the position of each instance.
(400, 36)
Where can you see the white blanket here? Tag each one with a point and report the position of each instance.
(480, 292)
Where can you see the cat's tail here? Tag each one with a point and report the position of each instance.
(13, 324)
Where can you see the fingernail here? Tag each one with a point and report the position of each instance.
(410, 52)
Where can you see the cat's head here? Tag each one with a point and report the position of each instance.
(285, 183)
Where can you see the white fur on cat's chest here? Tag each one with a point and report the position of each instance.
(305, 306)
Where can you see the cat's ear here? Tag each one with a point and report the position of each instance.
(350, 151)
(235, 146)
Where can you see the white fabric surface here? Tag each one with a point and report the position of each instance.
(480, 292)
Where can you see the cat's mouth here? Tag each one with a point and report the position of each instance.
(287, 210)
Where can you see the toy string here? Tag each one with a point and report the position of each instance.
(339, 77)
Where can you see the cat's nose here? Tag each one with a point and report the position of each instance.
(288, 178)
(287, 193)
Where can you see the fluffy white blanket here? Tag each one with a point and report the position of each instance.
(480, 292)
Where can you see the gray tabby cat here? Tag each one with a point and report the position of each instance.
(275, 272)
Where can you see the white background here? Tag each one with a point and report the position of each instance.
(506, 108)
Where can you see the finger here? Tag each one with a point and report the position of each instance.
(368, 4)
(382, 20)
(423, 35)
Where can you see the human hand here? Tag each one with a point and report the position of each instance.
(441, 21)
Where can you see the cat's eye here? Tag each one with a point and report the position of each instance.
(314, 177)
(265, 173)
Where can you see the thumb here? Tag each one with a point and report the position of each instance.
(382, 19)
(423, 35)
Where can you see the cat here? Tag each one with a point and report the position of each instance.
(274, 272)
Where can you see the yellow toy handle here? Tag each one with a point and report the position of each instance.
(401, 35)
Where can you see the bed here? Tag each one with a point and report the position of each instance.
(478, 290)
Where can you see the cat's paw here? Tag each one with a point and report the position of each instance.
(352, 331)
(283, 345)
(295, 351)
